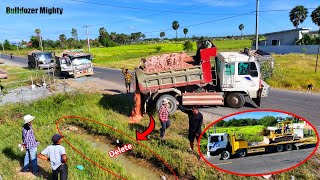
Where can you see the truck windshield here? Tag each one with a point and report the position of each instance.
(44, 56)
(248, 69)
(214, 139)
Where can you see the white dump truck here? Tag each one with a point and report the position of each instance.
(75, 63)
(224, 77)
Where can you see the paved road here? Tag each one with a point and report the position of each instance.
(262, 163)
(302, 104)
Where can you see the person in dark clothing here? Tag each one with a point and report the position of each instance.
(195, 123)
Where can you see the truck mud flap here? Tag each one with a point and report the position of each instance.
(257, 100)
(205, 98)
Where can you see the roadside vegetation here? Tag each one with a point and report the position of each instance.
(113, 111)
(295, 72)
(19, 76)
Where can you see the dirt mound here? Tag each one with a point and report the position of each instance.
(166, 62)
(136, 114)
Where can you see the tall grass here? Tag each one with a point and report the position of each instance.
(110, 110)
(295, 71)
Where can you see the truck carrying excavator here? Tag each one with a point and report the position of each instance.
(228, 145)
(215, 78)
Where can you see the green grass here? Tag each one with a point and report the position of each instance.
(113, 111)
(249, 133)
(295, 71)
(17, 74)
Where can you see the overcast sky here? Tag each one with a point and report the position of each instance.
(149, 17)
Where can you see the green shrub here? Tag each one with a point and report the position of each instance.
(188, 46)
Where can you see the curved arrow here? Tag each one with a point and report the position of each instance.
(143, 136)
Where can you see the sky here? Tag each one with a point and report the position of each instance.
(201, 17)
(257, 115)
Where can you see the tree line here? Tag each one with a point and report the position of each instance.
(265, 121)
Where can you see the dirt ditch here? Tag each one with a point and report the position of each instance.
(137, 167)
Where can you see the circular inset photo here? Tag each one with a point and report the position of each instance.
(259, 142)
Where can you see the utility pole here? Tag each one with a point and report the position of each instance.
(315, 71)
(257, 24)
(87, 37)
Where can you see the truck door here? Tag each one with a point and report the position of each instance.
(229, 71)
(248, 78)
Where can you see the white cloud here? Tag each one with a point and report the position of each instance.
(142, 20)
(132, 27)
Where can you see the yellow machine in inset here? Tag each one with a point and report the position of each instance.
(284, 132)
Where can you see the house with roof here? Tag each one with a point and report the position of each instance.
(284, 42)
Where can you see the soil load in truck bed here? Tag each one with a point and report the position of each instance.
(166, 62)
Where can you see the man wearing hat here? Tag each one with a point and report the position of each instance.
(30, 144)
(56, 154)
(164, 117)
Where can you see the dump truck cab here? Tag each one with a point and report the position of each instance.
(75, 63)
(239, 74)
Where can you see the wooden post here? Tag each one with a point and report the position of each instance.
(315, 71)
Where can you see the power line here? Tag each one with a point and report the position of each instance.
(270, 22)
(146, 9)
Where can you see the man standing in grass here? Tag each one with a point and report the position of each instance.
(127, 78)
(195, 123)
(56, 154)
(30, 144)
(164, 117)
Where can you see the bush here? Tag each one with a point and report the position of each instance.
(158, 49)
(188, 46)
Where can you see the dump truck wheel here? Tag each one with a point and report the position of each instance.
(172, 103)
(241, 153)
(235, 100)
(225, 155)
(280, 148)
(289, 147)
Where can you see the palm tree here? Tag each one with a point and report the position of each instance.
(315, 16)
(74, 34)
(63, 39)
(297, 15)
(38, 32)
(185, 32)
(162, 34)
(241, 27)
(175, 26)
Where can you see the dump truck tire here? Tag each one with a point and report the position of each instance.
(235, 100)
(280, 148)
(225, 155)
(172, 103)
(289, 147)
(242, 153)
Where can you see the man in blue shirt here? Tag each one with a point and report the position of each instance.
(56, 154)
(30, 144)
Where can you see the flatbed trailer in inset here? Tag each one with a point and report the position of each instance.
(228, 146)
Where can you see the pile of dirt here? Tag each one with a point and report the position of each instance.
(166, 62)
(136, 114)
